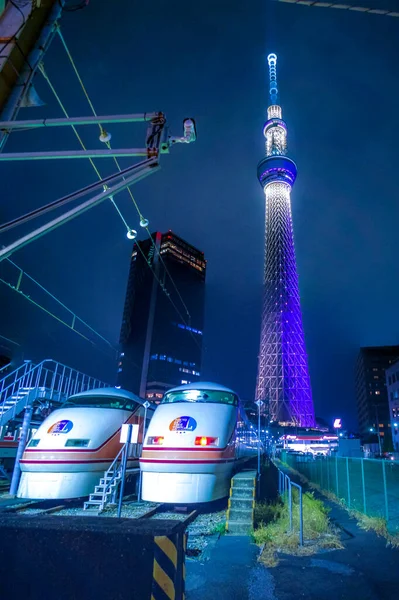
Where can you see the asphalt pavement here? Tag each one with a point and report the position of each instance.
(366, 569)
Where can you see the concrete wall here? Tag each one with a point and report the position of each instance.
(76, 558)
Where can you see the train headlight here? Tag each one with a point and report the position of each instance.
(157, 440)
(206, 441)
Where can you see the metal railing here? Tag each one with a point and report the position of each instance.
(369, 486)
(285, 484)
(49, 380)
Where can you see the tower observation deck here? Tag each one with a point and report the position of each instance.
(283, 381)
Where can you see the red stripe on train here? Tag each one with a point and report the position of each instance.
(193, 449)
(186, 462)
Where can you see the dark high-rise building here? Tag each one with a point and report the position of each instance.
(371, 389)
(161, 343)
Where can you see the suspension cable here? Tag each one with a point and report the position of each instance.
(43, 72)
(167, 293)
(75, 317)
(103, 132)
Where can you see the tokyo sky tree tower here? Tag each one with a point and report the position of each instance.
(283, 381)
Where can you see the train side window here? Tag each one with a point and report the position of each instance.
(33, 443)
(77, 443)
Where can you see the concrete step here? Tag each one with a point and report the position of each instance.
(243, 483)
(239, 527)
(237, 514)
(242, 492)
(243, 503)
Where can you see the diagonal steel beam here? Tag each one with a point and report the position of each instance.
(342, 6)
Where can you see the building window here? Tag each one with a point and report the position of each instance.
(375, 377)
(154, 357)
(162, 357)
(183, 370)
(377, 393)
(187, 328)
(169, 359)
(393, 378)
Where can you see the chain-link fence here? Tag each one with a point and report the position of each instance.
(366, 485)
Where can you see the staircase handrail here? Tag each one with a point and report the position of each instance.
(31, 372)
(112, 468)
(38, 367)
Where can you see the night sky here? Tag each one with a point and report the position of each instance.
(339, 90)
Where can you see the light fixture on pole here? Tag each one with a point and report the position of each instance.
(259, 404)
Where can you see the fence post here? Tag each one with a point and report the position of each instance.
(328, 472)
(348, 482)
(336, 476)
(300, 518)
(290, 503)
(321, 472)
(384, 477)
(363, 487)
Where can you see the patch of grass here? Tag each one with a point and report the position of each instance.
(265, 513)
(376, 524)
(272, 528)
(219, 528)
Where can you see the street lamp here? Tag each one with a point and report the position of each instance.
(259, 404)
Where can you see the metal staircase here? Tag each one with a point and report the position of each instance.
(107, 490)
(48, 381)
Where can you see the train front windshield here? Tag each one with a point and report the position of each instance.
(209, 396)
(103, 402)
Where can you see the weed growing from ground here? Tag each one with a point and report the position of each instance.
(272, 528)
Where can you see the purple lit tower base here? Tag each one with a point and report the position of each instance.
(283, 382)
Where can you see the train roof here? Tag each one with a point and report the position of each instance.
(107, 392)
(206, 385)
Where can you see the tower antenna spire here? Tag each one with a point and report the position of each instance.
(272, 60)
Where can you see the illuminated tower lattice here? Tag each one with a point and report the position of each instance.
(283, 381)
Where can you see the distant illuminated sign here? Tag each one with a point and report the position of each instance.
(183, 424)
(64, 426)
(337, 423)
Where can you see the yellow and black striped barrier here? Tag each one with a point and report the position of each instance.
(169, 570)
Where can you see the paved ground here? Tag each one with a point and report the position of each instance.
(365, 570)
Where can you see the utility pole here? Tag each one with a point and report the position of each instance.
(378, 428)
(259, 404)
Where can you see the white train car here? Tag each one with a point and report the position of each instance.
(198, 436)
(75, 444)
